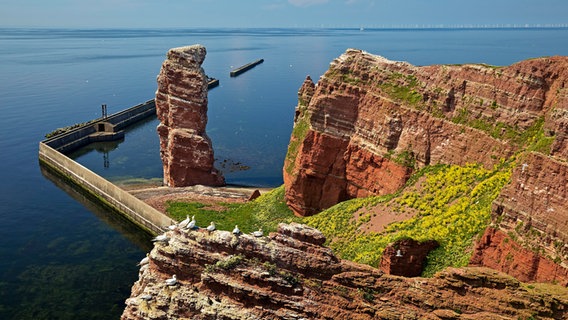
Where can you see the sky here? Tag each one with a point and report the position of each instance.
(279, 13)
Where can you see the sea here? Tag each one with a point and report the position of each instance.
(63, 256)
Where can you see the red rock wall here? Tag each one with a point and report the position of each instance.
(373, 121)
(499, 251)
(531, 214)
(181, 106)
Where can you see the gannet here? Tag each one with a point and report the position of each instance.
(211, 227)
(236, 230)
(144, 261)
(171, 281)
(258, 233)
(146, 297)
(191, 224)
(184, 222)
(161, 238)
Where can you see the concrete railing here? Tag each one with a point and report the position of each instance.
(123, 202)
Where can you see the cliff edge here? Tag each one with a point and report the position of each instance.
(290, 275)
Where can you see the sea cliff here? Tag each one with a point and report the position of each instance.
(489, 143)
(370, 122)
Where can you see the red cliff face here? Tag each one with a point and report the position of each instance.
(290, 275)
(369, 122)
(181, 106)
(531, 223)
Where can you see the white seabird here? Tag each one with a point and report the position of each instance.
(144, 261)
(191, 224)
(211, 227)
(236, 230)
(146, 297)
(171, 281)
(258, 233)
(161, 238)
(184, 222)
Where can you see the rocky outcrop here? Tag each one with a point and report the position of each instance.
(290, 275)
(369, 122)
(181, 106)
(406, 257)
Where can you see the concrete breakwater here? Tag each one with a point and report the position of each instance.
(246, 67)
(52, 154)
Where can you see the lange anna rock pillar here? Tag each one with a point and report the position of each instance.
(181, 106)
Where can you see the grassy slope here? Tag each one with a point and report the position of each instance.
(453, 206)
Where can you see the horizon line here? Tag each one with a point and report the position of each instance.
(361, 27)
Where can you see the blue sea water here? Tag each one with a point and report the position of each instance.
(63, 256)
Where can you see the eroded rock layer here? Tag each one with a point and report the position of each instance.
(290, 275)
(531, 223)
(181, 106)
(369, 122)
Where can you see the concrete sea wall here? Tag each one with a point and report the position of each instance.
(136, 210)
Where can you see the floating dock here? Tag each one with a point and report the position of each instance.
(246, 67)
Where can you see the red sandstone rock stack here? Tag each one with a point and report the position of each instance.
(181, 106)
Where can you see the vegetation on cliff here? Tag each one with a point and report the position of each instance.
(449, 204)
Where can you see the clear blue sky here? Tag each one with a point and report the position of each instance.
(277, 13)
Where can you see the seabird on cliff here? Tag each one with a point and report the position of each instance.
(146, 297)
(191, 224)
(236, 230)
(184, 222)
(258, 233)
(144, 261)
(398, 253)
(161, 238)
(211, 227)
(171, 281)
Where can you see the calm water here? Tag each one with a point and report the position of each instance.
(63, 257)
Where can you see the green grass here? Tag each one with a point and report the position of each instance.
(401, 88)
(265, 212)
(301, 128)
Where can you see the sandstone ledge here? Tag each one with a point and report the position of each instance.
(289, 275)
